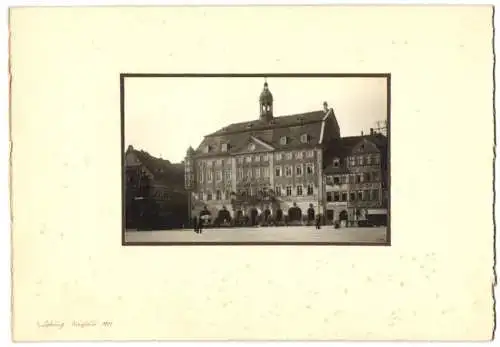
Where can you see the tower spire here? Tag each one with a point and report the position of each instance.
(266, 103)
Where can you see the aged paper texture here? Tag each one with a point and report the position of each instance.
(72, 278)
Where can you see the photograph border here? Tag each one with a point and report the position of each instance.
(124, 76)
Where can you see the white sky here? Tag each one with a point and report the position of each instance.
(164, 116)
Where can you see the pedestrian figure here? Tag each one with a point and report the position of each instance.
(318, 222)
(195, 224)
(200, 225)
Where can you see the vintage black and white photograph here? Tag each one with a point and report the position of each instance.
(256, 159)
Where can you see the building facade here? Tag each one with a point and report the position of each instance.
(282, 157)
(154, 192)
(356, 178)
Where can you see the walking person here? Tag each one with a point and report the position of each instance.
(200, 225)
(318, 222)
(195, 224)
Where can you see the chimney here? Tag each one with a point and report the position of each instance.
(325, 107)
(371, 131)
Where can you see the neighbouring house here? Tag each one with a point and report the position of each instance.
(155, 197)
(356, 179)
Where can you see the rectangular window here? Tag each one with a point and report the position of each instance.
(249, 173)
(278, 156)
(343, 179)
(200, 195)
(375, 176)
(336, 196)
(299, 155)
(368, 159)
(218, 195)
(265, 171)
(248, 159)
(360, 195)
(352, 161)
(224, 147)
(310, 154)
(227, 175)
(375, 195)
(240, 160)
(328, 196)
(283, 140)
(310, 169)
(227, 195)
(257, 158)
(288, 190)
(289, 156)
(358, 178)
(209, 196)
(218, 176)
(218, 162)
(277, 171)
(209, 176)
(201, 177)
(265, 157)
(240, 173)
(310, 189)
(336, 180)
(277, 190)
(299, 190)
(344, 196)
(288, 171)
(298, 170)
(352, 196)
(367, 177)
(360, 160)
(257, 172)
(376, 159)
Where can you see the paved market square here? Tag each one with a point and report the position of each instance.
(302, 234)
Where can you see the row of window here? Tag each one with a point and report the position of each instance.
(262, 158)
(258, 172)
(299, 170)
(360, 160)
(299, 190)
(360, 195)
(373, 176)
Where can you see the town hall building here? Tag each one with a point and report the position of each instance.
(273, 155)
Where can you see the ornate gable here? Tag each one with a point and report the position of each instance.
(253, 144)
(365, 146)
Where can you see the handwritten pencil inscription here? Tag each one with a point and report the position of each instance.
(79, 324)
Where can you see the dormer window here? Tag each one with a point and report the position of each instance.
(336, 162)
(225, 147)
(283, 140)
(304, 138)
(207, 149)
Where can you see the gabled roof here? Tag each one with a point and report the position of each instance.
(276, 122)
(292, 127)
(342, 148)
(163, 171)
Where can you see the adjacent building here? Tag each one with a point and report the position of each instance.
(154, 192)
(279, 156)
(356, 178)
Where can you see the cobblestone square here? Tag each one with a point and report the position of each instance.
(302, 234)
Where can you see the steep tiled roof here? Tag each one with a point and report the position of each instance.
(342, 147)
(163, 171)
(277, 122)
(238, 135)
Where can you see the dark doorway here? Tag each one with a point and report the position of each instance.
(253, 216)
